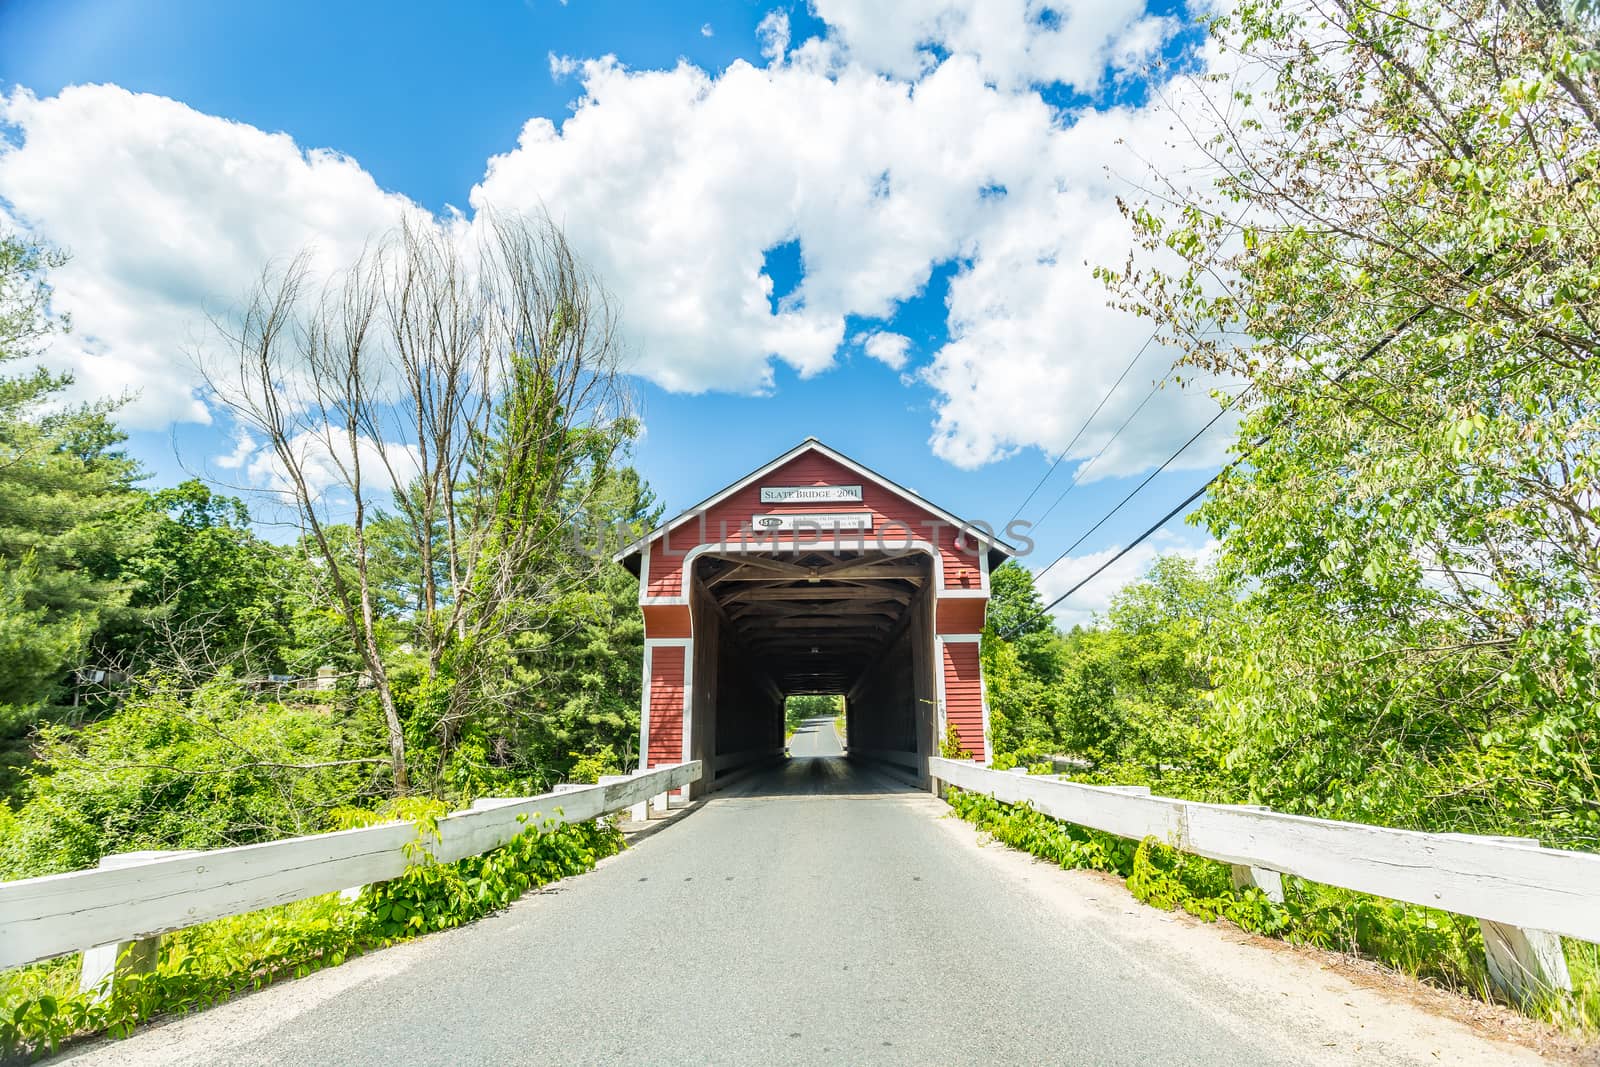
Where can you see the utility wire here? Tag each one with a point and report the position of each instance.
(1196, 495)
(1372, 350)
(1223, 410)
(1086, 423)
(1081, 471)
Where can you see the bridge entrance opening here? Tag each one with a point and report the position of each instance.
(814, 722)
(773, 625)
(812, 575)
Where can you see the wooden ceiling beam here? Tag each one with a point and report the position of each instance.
(831, 624)
(751, 594)
(780, 610)
(763, 563)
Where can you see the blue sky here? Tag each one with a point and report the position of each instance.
(733, 140)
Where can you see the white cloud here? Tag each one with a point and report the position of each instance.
(245, 448)
(773, 33)
(1016, 42)
(674, 184)
(168, 214)
(888, 348)
(707, 31)
(324, 458)
(1093, 600)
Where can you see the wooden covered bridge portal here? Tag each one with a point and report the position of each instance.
(812, 574)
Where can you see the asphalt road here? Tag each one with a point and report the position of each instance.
(821, 913)
(815, 737)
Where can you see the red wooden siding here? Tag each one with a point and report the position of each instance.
(895, 521)
(963, 695)
(667, 620)
(960, 616)
(666, 704)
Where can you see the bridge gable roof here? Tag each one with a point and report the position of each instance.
(629, 555)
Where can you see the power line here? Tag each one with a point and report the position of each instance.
(1081, 471)
(1150, 478)
(1372, 350)
(1196, 495)
(1081, 429)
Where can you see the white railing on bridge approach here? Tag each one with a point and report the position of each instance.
(137, 897)
(1523, 895)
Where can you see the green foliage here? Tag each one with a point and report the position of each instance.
(207, 592)
(1410, 300)
(951, 747)
(436, 896)
(68, 511)
(173, 769)
(1128, 696)
(1023, 828)
(203, 965)
(1437, 946)
(555, 680)
(587, 767)
(797, 709)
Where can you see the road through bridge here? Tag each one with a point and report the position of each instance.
(817, 912)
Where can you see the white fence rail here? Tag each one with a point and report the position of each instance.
(60, 913)
(1522, 894)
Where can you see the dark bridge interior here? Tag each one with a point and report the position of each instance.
(774, 625)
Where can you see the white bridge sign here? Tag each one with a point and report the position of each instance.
(845, 520)
(811, 494)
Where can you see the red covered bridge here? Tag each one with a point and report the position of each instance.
(812, 574)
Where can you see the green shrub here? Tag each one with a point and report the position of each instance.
(40, 1006)
(172, 769)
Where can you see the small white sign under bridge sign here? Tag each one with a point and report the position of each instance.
(811, 494)
(844, 520)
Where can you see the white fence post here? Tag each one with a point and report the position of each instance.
(1524, 965)
(1248, 877)
(104, 964)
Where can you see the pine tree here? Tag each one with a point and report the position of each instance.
(68, 508)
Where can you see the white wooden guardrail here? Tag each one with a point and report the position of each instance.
(1523, 896)
(141, 895)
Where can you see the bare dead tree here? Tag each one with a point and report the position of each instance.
(476, 390)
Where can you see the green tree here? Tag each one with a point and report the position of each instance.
(473, 395)
(68, 509)
(1162, 629)
(1130, 693)
(208, 593)
(1021, 654)
(1400, 258)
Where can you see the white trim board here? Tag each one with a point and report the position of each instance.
(682, 600)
